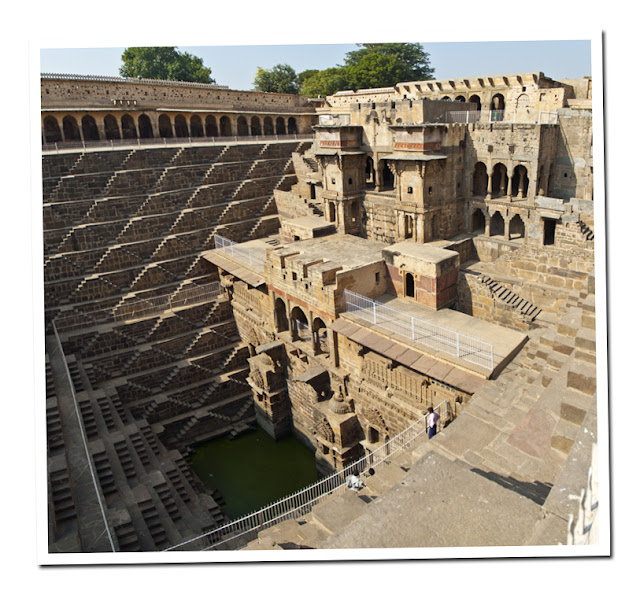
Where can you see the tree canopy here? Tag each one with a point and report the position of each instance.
(372, 65)
(164, 63)
(282, 78)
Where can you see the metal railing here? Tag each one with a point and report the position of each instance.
(116, 144)
(301, 503)
(253, 257)
(522, 116)
(139, 307)
(430, 334)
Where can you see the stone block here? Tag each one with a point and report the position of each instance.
(572, 414)
(582, 377)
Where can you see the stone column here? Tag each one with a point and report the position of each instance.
(507, 222)
(490, 184)
(510, 186)
(521, 186)
(503, 175)
(419, 228)
(487, 225)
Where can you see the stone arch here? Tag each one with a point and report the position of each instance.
(496, 226)
(445, 98)
(409, 285)
(89, 128)
(324, 431)
(280, 309)
(70, 128)
(144, 126)
(164, 126)
(243, 127)
(256, 128)
(480, 180)
(320, 337)
(497, 107)
(516, 228)
(388, 179)
(292, 126)
(51, 128)
(370, 173)
(111, 130)
(478, 221)
(499, 180)
(225, 126)
(476, 99)
(280, 127)
(460, 99)
(520, 183)
(300, 324)
(195, 122)
(373, 419)
(182, 131)
(128, 127)
(211, 126)
(268, 126)
(522, 102)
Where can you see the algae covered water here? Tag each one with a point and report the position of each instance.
(253, 470)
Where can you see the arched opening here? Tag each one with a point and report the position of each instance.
(292, 126)
(280, 128)
(89, 128)
(445, 98)
(460, 99)
(182, 131)
(516, 228)
(282, 324)
(497, 225)
(144, 125)
(164, 126)
(478, 221)
(409, 285)
(70, 128)
(320, 337)
(369, 173)
(408, 226)
(225, 126)
(211, 126)
(128, 127)
(111, 130)
(497, 108)
(300, 325)
(388, 179)
(256, 129)
(522, 102)
(475, 99)
(197, 131)
(520, 183)
(243, 127)
(480, 180)
(51, 130)
(499, 180)
(332, 212)
(268, 126)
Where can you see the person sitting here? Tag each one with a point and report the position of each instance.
(354, 482)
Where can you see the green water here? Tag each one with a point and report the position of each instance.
(253, 470)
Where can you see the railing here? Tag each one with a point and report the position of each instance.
(430, 334)
(253, 257)
(139, 307)
(133, 142)
(302, 502)
(522, 116)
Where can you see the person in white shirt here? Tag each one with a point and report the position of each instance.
(432, 421)
(354, 482)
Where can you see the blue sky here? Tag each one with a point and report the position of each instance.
(235, 66)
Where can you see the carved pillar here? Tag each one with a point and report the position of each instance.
(490, 184)
(419, 228)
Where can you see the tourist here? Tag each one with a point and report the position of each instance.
(354, 482)
(432, 421)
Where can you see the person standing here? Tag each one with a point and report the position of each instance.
(432, 421)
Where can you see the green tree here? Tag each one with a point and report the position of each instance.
(325, 82)
(279, 79)
(415, 61)
(164, 63)
(375, 70)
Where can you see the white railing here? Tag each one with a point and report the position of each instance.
(430, 334)
(116, 144)
(301, 502)
(139, 307)
(253, 257)
(523, 116)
